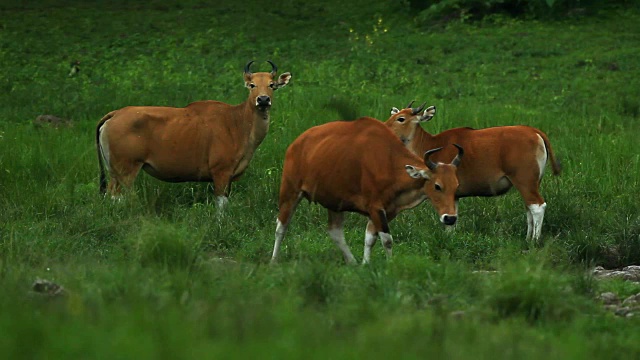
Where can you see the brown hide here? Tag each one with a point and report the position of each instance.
(359, 166)
(495, 158)
(204, 141)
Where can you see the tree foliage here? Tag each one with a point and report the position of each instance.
(540, 9)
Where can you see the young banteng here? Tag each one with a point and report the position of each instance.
(361, 166)
(496, 159)
(204, 141)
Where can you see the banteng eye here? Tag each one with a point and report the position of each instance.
(272, 85)
(400, 119)
(438, 187)
(252, 85)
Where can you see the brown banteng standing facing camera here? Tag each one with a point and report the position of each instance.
(204, 141)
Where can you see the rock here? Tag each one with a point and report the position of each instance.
(611, 307)
(599, 271)
(629, 273)
(609, 298)
(46, 287)
(632, 300)
(53, 121)
(623, 311)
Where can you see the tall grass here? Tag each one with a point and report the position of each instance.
(162, 274)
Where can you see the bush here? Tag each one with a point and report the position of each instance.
(477, 9)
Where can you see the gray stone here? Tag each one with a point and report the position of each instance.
(622, 311)
(609, 298)
(52, 121)
(629, 273)
(46, 287)
(632, 300)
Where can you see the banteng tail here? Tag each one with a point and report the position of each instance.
(555, 163)
(103, 177)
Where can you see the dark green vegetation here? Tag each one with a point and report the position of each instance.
(161, 275)
(472, 10)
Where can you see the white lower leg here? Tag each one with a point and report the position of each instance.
(387, 242)
(337, 235)
(281, 229)
(221, 202)
(529, 224)
(537, 215)
(369, 241)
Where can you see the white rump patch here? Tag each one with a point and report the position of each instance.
(104, 144)
(541, 156)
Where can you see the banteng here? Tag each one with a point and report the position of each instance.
(496, 159)
(361, 166)
(204, 141)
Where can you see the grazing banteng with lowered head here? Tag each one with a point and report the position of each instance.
(496, 159)
(204, 141)
(361, 166)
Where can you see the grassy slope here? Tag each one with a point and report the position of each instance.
(143, 276)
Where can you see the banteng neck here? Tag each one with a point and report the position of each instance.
(421, 140)
(259, 119)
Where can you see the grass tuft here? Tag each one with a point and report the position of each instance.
(165, 245)
(530, 290)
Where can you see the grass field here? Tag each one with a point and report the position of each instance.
(161, 275)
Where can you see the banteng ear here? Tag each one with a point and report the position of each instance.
(416, 173)
(247, 79)
(283, 80)
(394, 110)
(428, 113)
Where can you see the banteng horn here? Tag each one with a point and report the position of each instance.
(414, 111)
(456, 160)
(274, 68)
(430, 164)
(247, 67)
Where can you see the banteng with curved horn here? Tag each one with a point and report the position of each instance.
(360, 166)
(497, 159)
(204, 141)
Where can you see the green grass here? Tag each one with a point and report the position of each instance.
(160, 274)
